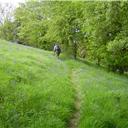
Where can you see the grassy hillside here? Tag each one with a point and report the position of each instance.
(104, 96)
(39, 91)
(35, 90)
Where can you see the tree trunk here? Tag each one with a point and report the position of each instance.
(74, 50)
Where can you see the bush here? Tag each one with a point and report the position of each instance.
(117, 56)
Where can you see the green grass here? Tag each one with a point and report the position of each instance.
(36, 91)
(104, 97)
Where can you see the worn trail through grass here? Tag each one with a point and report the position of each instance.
(73, 122)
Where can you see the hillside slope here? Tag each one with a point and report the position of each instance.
(103, 96)
(37, 90)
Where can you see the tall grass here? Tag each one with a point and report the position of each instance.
(35, 90)
(104, 97)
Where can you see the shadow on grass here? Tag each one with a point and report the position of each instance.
(101, 67)
(94, 65)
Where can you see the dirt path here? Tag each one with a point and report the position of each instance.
(73, 123)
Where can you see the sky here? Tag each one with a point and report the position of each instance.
(14, 2)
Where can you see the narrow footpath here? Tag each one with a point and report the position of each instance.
(74, 121)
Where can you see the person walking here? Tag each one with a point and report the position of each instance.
(57, 50)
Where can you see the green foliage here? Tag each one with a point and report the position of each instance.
(104, 26)
(117, 56)
(83, 29)
(7, 31)
(32, 28)
(64, 25)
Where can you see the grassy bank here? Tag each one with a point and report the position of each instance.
(35, 90)
(104, 97)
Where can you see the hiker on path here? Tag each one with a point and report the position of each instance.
(57, 50)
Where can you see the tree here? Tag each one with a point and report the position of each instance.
(64, 25)
(93, 30)
(32, 28)
(6, 21)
